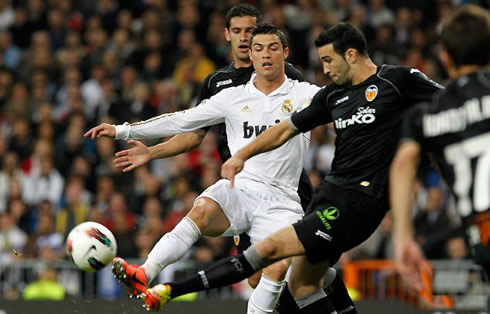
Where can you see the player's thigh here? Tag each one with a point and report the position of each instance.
(338, 220)
(207, 214)
(220, 210)
(280, 244)
(306, 278)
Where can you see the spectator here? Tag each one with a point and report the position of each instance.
(45, 184)
(12, 239)
(45, 288)
(45, 243)
(9, 172)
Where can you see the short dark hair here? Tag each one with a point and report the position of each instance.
(243, 9)
(266, 29)
(343, 36)
(466, 36)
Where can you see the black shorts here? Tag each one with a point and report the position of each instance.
(305, 192)
(338, 220)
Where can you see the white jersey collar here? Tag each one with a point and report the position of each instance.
(281, 90)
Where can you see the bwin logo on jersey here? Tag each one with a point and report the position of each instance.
(362, 116)
(250, 130)
(225, 82)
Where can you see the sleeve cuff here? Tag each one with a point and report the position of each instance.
(122, 131)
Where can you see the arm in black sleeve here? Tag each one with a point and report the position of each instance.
(293, 73)
(412, 128)
(417, 87)
(316, 113)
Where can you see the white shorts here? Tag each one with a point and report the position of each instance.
(251, 210)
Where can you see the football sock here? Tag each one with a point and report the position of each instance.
(338, 295)
(225, 272)
(286, 304)
(265, 296)
(316, 302)
(171, 247)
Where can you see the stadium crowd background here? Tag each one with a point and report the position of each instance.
(68, 65)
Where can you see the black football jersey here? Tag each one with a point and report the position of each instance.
(367, 119)
(455, 128)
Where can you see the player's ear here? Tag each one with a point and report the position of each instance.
(227, 34)
(351, 55)
(286, 53)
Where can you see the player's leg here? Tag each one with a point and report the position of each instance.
(275, 213)
(306, 285)
(266, 294)
(242, 243)
(281, 244)
(322, 233)
(205, 218)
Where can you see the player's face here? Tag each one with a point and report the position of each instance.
(334, 65)
(241, 28)
(268, 55)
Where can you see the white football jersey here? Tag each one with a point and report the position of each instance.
(246, 112)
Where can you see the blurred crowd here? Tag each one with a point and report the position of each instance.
(67, 65)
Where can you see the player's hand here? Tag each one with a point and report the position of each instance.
(134, 157)
(411, 263)
(104, 129)
(231, 167)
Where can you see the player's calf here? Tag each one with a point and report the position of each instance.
(266, 294)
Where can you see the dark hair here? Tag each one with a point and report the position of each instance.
(243, 10)
(266, 29)
(343, 36)
(466, 36)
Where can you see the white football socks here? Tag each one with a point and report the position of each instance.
(265, 296)
(171, 247)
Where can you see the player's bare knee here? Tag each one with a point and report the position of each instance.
(269, 249)
(278, 270)
(199, 214)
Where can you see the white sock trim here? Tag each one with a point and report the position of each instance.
(330, 276)
(303, 302)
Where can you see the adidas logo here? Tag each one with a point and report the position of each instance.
(245, 109)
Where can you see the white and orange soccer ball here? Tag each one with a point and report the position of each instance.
(91, 246)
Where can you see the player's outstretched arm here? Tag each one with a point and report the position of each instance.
(103, 129)
(409, 258)
(267, 141)
(139, 154)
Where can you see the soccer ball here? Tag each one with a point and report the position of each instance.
(91, 246)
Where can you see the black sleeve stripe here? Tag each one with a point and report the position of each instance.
(211, 78)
